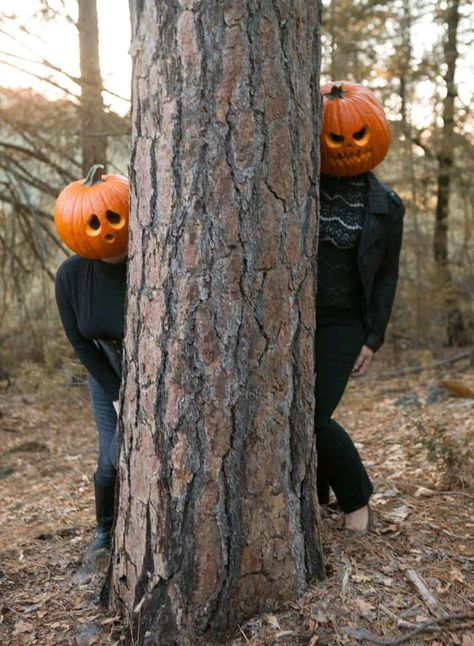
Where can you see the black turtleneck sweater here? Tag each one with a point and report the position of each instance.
(343, 202)
(91, 299)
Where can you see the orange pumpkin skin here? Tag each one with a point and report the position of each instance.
(355, 135)
(91, 215)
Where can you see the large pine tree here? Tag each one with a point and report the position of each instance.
(218, 513)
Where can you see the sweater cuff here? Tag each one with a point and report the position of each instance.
(373, 341)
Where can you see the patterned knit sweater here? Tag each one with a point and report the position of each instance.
(343, 203)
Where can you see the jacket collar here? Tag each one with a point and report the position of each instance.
(378, 197)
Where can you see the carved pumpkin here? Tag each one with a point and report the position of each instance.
(91, 215)
(355, 136)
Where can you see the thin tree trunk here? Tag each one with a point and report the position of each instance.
(405, 62)
(93, 138)
(456, 331)
(334, 66)
(217, 515)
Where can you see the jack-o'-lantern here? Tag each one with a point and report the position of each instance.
(355, 136)
(91, 215)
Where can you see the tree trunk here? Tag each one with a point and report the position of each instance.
(93, 138)
(404, 57)
(217, 515)
(456, 331)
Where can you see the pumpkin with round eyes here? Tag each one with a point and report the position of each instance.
(355, 136)
(91, 215)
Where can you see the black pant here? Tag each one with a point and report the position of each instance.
(339, 464)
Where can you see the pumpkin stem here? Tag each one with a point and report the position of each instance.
(337, 91)
(91, 177)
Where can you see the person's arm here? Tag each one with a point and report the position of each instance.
(86, 351)
(385, 283)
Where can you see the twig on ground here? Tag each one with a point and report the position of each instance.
(245, 636)
(345, 579)
(436, 364)
(454, 493)
(428, 597)
(402, 623)
(361, 634)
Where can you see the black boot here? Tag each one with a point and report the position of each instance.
(104, 510)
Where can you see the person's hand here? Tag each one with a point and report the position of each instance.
(363, 362)
(116, 406)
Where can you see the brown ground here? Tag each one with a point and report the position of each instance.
(417, 454)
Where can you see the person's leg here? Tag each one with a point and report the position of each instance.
(339, 463)
(105, 419)
(104, 477)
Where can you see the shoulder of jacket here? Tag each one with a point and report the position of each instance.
(391, 194)
(395, 198)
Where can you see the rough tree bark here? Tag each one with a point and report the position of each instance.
(217, 514)
(93, 138)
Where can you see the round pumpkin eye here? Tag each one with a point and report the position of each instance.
(113, 218)
(94, 222)
(338, 139)
(360, 134)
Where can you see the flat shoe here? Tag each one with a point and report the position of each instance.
(369, 527)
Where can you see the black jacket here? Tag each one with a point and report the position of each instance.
(378, 257)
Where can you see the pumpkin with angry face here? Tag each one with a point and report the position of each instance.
(91, 215)
(355, 136)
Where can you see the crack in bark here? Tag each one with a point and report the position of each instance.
(293, 116)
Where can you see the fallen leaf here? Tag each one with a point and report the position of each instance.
(400, 513)
(361, 578)
(22, 627)
(423, 491)
(273, 621)
(109, 620)
(457, 575)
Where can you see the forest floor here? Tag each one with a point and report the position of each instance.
(415, 436)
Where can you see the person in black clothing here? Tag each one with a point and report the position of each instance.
(91, 217)
(361, 222)
(91, 299)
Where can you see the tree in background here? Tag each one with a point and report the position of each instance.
(93, 124)
(456, 330)
(217, 512)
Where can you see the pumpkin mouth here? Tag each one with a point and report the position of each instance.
(109, 237)
(356, 154)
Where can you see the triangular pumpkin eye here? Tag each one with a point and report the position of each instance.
(336, 138)
(360, 134)
(94, 222)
